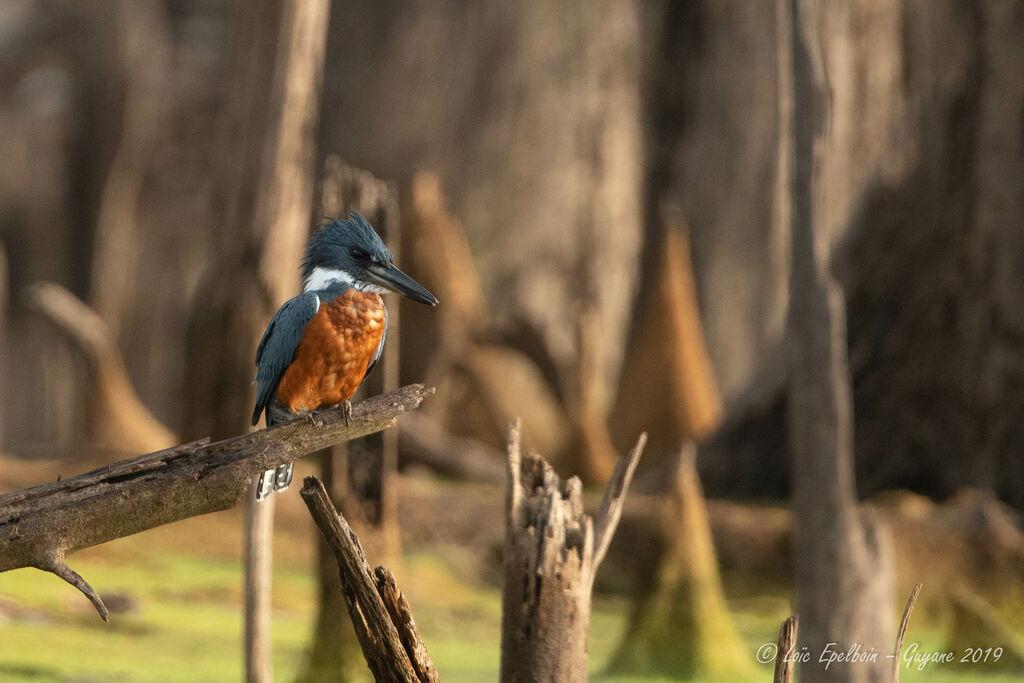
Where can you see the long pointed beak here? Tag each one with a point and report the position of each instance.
(392, 278)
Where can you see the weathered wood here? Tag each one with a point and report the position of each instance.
(378, 635)
(904, 623)
(56, 519)
(401, 615)
(550, 561)
(786, 648)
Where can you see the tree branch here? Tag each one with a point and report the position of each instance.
(401, 615)
(902, 632)
(56, 564)
(52, 520)
(387, 652)
(611, 504)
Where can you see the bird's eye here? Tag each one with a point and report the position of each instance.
(357, 253)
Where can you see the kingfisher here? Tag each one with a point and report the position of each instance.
(321, 345)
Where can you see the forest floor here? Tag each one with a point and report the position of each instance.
(175, 599)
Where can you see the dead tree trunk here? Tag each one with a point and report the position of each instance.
(334, 651)
(784, 650)
(552, 553)
(843, 559)
(284, 208)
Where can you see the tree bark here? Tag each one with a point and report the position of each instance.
(41, 525)
(843, 557)
(334, 652)
(380, 614)
(902, 632)
(552, 553)
(785, 649)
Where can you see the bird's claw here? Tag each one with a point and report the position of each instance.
(346, 410)
(313, 422)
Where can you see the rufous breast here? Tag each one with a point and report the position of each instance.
(336, 348)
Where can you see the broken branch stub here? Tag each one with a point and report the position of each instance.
(552, 553)
(380, 614)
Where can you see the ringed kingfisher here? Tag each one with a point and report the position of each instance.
(321, 345)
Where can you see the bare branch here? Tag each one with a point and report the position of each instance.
(378, 637)
(55, 519)
(401, 616)
(787, 644)
(611, 505)
(55, 564)
(904, 623)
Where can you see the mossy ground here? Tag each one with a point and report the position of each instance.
(175, 594)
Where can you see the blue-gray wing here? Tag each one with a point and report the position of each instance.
(277, 347)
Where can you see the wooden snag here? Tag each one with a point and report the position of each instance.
(552, 553)
(380, 614)
(787, 645)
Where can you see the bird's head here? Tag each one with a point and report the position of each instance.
(349, 252)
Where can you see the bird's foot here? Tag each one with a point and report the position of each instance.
(311, 419)
(346, 410)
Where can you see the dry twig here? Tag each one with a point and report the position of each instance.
(911, 601)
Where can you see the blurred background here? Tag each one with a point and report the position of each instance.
(600, 195)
